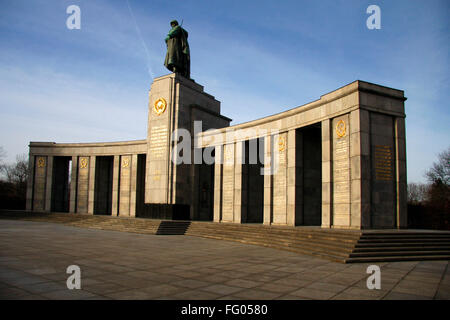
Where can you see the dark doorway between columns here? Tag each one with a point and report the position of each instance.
(61, 184)
(309, 176)
(103, 185)
(155, 211)
(253, 182)
(140, 185)
(205, 191)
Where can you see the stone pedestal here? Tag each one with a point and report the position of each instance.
(174, 104)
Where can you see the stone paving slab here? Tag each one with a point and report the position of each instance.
(119, 265)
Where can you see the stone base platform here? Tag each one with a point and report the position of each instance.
(345, 246)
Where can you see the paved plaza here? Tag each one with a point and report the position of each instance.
(34, 257)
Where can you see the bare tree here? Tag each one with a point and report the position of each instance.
(17, 172)
(440, 171)
(417, 193)
(2, 156)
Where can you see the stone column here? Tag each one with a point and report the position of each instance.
(327, 200)
(125, 186)
(291, 174)
(228, 185)
(115, 188)
(341, 178)
(39, 183)
(133, 186)
(163, 100)
(218, 183)
(268, 179)
(91, 188)
(83, 184)
(30, 182)
(400, 162)
(355, 170)
(279, 196)
(360, 168)
(240, 204)
(48, 184)
(73, 185)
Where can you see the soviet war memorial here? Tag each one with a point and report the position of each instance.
(310, 201)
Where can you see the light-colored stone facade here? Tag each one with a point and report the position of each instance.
(337, 162)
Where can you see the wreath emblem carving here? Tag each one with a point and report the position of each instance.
(281, 144)
(341, 128)
(160, 106)
(41, 162)
(83, 163)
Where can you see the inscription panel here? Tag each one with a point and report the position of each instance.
(228, 184)
(341, 171)
(158, 142)
(280, 180)
(383, 162)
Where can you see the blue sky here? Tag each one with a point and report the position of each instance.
(257, 57)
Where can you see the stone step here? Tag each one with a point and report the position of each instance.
(401, 244)
(400, 253)
(330, 245)
(294, 245)
(173, 227)
(292, 234)
(412, 236)
(397, 248)
(335, 245)
(292, 237)
(394, 259)
(309, 251)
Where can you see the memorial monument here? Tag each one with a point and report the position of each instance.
(336, 162)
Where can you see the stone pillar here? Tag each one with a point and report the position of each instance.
(341, 171)
(355, 170)
(279, 196)
(133, 186)
(40, 178)
(83, 184)
(299, 179)
(162, 105)
(268, 179)
(48, 184)
(240, 205)
(327, 200)
(291, 175)
(125, 186)
(360, 166)
(218, 183)
(383, 171)
(91, 190)
(228, 184)
(400, 162)
(73, 185)
(30, 182)
(115, 188)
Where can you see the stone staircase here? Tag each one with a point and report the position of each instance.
(401, 246)
(345, 246)
(333, 245)
(173, 227)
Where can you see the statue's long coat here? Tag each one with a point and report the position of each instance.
(178, 51)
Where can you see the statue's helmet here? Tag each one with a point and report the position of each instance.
(174, 23)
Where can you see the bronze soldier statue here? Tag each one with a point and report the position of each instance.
(178, 58)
